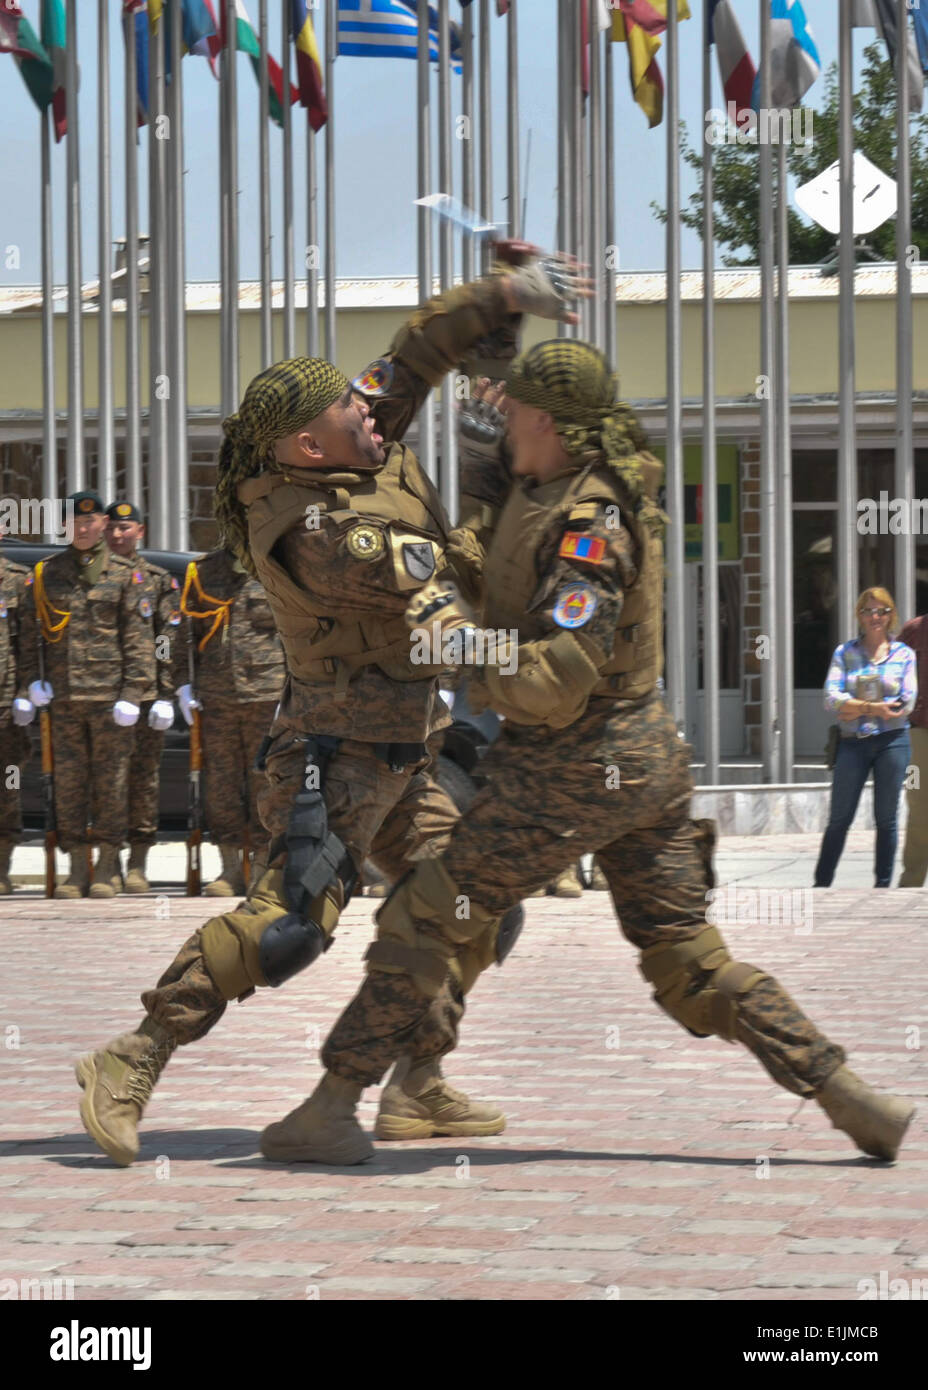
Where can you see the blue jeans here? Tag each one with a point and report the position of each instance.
(888, 755)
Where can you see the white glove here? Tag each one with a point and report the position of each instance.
(546, 286)
(23, 712)
(125, 714)
(161, 715)
(41, 693)
(187, 703)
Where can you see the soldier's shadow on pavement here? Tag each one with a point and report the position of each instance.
(236, 1150)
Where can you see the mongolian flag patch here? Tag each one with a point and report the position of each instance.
(577, 546)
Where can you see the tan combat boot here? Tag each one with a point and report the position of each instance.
(598, 883)
(136, 882)
(107, 876)
(567, 884)
(324, 1129)
(417, 1104)
(6, 853)
(117, 1085)
(875, 1122)
(78, 880)
(231, 882)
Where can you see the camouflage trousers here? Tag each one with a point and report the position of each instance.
(394, 818)
(617, 783)
(92, 755)
(232, 735)
(15, 751)
(144, 781)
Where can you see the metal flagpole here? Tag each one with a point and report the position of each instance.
(486, 120)
(331, 45)
(49, 432)
(784, 484)
(577, 152)
(767, 655)
(847, 425)
(448, 462)
(232, 194)
(160, 379)
(225, 315)
(179, 497)
(133, 451)
(312, 248)
(289, 273)
(264, 185)
(904, 478)
(595, 181)
(467, 145)
(710, 510)
(75, 434)
(423, 221)
(676, 649)
(563, 143)
(106, 447)
(512, 118)
(611, 335)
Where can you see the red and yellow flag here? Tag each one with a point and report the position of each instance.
(639, 24)
(308, 64)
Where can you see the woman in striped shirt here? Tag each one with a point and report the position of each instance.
(871, 687)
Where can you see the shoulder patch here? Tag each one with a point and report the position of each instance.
(364, 542)
(575, 606)
(145, 607)
(29, 578)
(3, 607)
(376, 379)
(419, 560)
(174, 583)
(138, 577)
(577, 546)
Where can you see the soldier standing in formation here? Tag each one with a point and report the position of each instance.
(14, 715)
(342, 530)
(588, 758)
(82, 623)
(239, 675)
(158, 604)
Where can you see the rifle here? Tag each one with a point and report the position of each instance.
(48, 782)
(195, 807)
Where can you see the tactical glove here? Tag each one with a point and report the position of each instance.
(546, 287)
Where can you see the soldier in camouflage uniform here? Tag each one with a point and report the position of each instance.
(341, 530)
(99, 670)
(588, 758)
(239, 675)
(158, 605)
(14, 715)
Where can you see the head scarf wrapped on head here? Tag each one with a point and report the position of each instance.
(278, 402)
(574, 383)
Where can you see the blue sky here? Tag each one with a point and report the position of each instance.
(375, 149)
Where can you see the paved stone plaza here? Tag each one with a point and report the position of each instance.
(638, 1162)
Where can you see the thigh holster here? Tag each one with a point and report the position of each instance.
(289, 918)
(698, 983)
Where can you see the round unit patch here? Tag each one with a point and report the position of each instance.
(575, 606)
(86, 504)
(376, 379)
(145, 607)
(124, 509)
(364, 542)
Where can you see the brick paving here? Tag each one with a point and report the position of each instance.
(638, 1162)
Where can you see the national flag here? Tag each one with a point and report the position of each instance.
(735, 65)
(246, 41)
(794, 60)
(139, 16)
(389, 29)
(639, 24)
(54, 31)
(155, 10)
(199, 26)
(920, 25)
(881, 15)
(18, 37)
(308, 64)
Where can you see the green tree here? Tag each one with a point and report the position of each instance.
(736, 173)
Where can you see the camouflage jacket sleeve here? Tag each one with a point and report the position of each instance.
(429, 346)
(138, 652)
(27, 658)
(551, 677)
(167, 628)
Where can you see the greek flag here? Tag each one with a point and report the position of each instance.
(388, 29)
(794, 60)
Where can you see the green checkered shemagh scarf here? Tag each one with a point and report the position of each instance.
(573, 382)
(278, 402)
